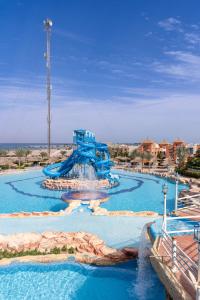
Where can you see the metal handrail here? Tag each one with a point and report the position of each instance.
(189, 219)
(183, 262)
(189, 197)
(183, 217)
(189, 200)
(187, 257)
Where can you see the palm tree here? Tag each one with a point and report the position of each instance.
(43, 154)
(20, 153)
(63, 152)
(26, 153)
(3, 152)
(119, 151)
(197, 153)
(148, 157)
(142, 156)
(145, 155)
(181, 153)
(134, 154)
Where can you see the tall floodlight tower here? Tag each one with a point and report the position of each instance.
(47, 26)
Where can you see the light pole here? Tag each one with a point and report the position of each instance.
(176, 191)
(47, 26)
(165, 190)
(197, 239)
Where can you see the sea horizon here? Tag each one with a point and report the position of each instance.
(10, 146)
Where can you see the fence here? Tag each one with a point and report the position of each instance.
(188, 201)
(179, 260)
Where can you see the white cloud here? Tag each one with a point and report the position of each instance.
(150, 33)
(72, 36)
(127, 118)
(195, 26)
(192, 38)
(171, 24)
(185, 65)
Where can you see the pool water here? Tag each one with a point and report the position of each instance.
(23, 192)
(73, 281)
(174, 226)
(138, 192)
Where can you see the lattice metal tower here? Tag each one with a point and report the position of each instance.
(47, 26)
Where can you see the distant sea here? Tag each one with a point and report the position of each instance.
(11, 146)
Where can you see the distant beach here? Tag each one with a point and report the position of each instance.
(12, 146)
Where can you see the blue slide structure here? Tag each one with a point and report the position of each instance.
(87, 152)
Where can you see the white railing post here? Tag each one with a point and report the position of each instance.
(165, 213)
(198, 276)
(198, 293)
(165, 190)
(176, 195)
(174, 250)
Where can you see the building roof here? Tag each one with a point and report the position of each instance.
(178, 141)
(164, 142)
(148, 141)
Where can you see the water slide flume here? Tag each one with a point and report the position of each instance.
(87, 152)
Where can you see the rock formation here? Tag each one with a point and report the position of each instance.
(87, 248)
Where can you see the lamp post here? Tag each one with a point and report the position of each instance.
(165, 190)
(176, 191)
(47, 26)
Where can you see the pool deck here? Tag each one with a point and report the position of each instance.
(113, 230)
(188, 212)
(176, 267)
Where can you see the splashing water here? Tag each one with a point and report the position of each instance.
(85, 172)
(144, 281)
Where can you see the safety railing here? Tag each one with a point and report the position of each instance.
(179, 260)
(181, 225)
(188, 201)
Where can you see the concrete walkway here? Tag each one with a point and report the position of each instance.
(115, 231)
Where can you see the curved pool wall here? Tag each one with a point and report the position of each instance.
(72, 281)
(136, 192)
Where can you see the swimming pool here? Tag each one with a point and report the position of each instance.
(72, 281)
(23, 192)
(138, 192)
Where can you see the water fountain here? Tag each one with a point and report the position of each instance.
(85, 173)
(144, 281)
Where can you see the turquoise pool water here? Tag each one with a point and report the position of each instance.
(23, 192)
(174, 226)
(72, 281)
(138, 192)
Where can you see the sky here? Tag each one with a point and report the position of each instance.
(126, 70)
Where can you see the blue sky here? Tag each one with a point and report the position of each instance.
(123, 69)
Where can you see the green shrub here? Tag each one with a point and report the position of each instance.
(43, 163)
(188, 173)
(34, 252)
(55, 251)
(64, 249)
(193, 163)
(4, 167)
(71, 250)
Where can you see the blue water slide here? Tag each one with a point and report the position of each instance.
(87, 151)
